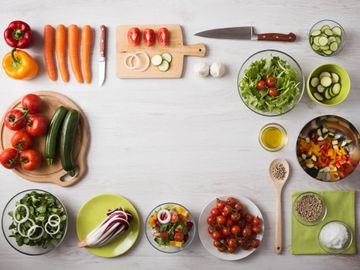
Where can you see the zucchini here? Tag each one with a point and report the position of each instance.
(156, 60)
(167, 57)
(67, 141)
(164, 66)
(53, 135)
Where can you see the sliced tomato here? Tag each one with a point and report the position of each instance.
(134, 36)
(163, 35)
(149, 37)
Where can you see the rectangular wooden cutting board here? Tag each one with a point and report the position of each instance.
(176, 48)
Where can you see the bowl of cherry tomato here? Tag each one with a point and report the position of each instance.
(231, 228)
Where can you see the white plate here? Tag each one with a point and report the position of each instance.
(206, 239)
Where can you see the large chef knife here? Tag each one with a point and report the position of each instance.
(102, 60)
(245, 32)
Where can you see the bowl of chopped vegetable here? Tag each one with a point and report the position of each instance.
(328, 148)
(270, 82)
(327, 37)
(328, 84)
(170, 228)
(34, 222)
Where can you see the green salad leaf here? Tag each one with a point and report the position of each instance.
(287, 85)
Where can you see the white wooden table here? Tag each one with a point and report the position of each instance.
(185, 140)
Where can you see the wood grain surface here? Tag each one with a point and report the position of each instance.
(186, 140)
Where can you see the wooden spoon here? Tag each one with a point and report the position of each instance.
(279, 172)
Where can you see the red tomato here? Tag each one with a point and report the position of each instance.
(235, 217)
(271, 81)
(179, 237)
(238, 206)
(231, 249)
(226, 231)
(149, 37)
(15, 119)
(246, 232)
(231, 201)
(32, 103)
(229, 222)
(30, 160)
(261, 85)
(220, 205)
(9, 158)
(211, 220)
(163, 36)
(216, 235)
(134, 36)
(217, 243)
(256, 229)
(37, 125)
(227, 211)
(232, 242)
(256, 221)
(241, 242)
(249, 218)
(211, 229)
(21, 140)
(221, 249)
(220, 220)
(255, 243)
(235, 230)
(174, 217)
(215, 212)
(273, 92)
(161, 234)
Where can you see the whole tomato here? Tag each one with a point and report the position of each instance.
(226, 231)
(232, 242)
(211, 220)
(15, 119)
(220, 220)
(221, 248)
(211, 229)
(229, 222)
(220, 204)
(31, 103)
(231, 249)
(9, 158)
(215, 212)
(256, 221)
(256, 229)
(217, 243)
(261, 85)
(227, 211)
(273, 92)
(242, 242)
(238, 206)
(216, 235)
(231, 201)
(21, 140)
(37, 125)
(246, 232)
(255, 243)
(249, 218)
(30, 159)
(235, 217)
(235, 230)
(271, 81)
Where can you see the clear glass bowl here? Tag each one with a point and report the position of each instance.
(331, 23)
(6, 220)
(301, 219)
(283, 134)
(261, 55)
(169, 249)
(347, 244)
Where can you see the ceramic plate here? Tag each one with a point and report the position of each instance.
(94, 211)
(206, 239)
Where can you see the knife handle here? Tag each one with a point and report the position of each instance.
(102, 40)
(277, 37)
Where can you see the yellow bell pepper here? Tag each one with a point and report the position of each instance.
(176, 243)
(20, 65)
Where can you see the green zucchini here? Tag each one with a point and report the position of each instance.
(67, 141)
(53, 134)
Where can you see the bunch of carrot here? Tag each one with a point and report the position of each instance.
(62, 39)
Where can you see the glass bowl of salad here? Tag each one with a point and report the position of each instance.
(270, 82)
(34, 222)
(170, 227)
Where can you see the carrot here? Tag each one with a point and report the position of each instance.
(86, 36)
(49, 52)
(60, 50)
(73, 44)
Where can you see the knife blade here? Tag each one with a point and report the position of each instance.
(102, 59)
(245, 33)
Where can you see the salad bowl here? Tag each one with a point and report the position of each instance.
(270, 82)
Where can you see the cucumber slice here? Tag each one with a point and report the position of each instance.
(333, 46)
(338, 40)
(318, 96)
(156, 60)
(324, 74)
(328, 32)
(325, 48)
(323, 41)
(328, 52)
(164, 66)
(315, 47)
(316, 41)
(324, 27)
(327, 94)
(315, 33)
(314, 81)
(167, 57)
(335, 77)
(332, 39)
(320, 88)
(326, 81)
(331, 92)
(336, 89)
(336, 30)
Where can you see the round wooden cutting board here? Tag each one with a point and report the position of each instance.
(52, 173)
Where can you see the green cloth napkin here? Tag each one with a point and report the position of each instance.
(340, 206)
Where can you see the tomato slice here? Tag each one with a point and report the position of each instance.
(163, 36)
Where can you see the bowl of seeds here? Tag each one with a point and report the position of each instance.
(309, 208)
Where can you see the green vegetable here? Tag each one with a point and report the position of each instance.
(287, 85)
(326, 41)
(53, 134)
(41, 206)
(67, 141)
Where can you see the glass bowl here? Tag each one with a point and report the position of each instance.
(6, 220)
(346, 245)
(169, 249)
(301, 219)
(262, 55)
(331, 24)
(284, 137)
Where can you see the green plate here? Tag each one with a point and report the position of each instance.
(93, 212)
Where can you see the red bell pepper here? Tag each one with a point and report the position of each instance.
(18, 35)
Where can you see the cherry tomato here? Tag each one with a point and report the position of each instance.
(134, 36)
(216, 235)
(226, 231)
(273, 92)
(211, 220)
(227, 211)
(220, 220)
(249, 218)
(32, 103)
(221, 249)
(247, 245)
(238, 206)
(179, 237)
(163, 36)
(174, 217)
(261, 85)
(242, 223)
(217, 243)
(229, 222)
(211, 229)
(149, 37)
(21, 140)
(241, 242)
(235, 230)
(215, 212)
(270, 81)
(231, 201)
(256, 221)
(256, 229)
(220, 205)
(232, 242)
(255, 243)
(15, 119)
(246, 232)
(30, 160)
(235, 217)
(37, 125)
(9, 158)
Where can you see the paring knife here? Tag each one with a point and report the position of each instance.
(245, 32)
(102, 60)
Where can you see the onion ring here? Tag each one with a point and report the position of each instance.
(52, 222)
(24, 219)
(147, 64)
(32, 230)
(132, 55)
(51, 233)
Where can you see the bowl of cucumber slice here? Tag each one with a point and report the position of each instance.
(327, 37)
(328, 84)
